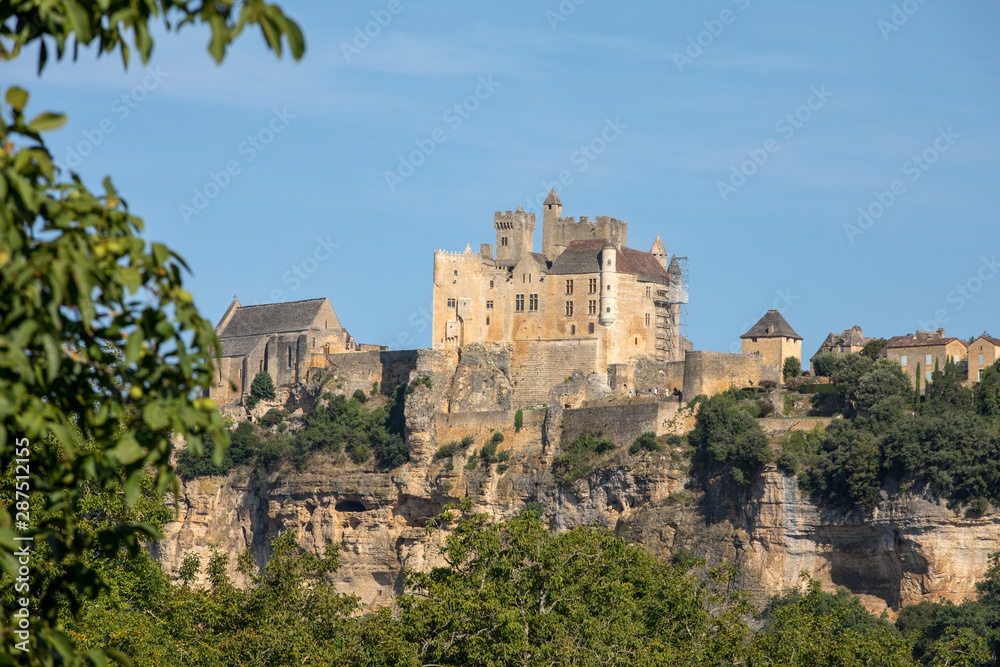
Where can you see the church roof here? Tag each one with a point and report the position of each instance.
(772, 325)
(241, 346)
(584, 256)
(553, 198)
(271, 318)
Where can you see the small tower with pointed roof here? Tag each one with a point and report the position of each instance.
(774, 339)
(551, 215)
(659, 252)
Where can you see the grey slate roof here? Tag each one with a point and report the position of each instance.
(584, 256)
(272, 318)
(553, 198)
(779, 327)
(241, 346)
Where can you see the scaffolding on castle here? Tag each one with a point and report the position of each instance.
(671, 316)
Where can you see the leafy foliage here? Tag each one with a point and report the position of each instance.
(791, 368)
(518, 421)
(727, 434)
(645, 442)
(579, 457)
(824, 363)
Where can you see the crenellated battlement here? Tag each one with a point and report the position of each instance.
(513, 219)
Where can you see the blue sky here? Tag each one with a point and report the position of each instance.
(747, 134)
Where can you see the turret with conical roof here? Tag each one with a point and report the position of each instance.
(659, 252)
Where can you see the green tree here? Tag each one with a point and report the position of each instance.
(726, 433)
(791, 368)
(518, 421)
(824, 364)
(514, 594)
(96, 329)
(262, 387)
(988, 392)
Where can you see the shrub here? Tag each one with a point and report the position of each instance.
(533, 506)
(488, 451)
(359, 396)
(425, 381)
(473, 462)
(518, 421)
(374, 389)
(791, 368)
(501, 469)
(466, 441)
(766, 409)
(447, 450)
(767, 385)
(262, 386)
(675, 440)
(250, 401)
(725, 433)
(272, 417)
(497, 438)
(579, 457)
(646, 441)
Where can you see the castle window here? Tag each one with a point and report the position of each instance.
(487, 320)
(489, 305)
(647, 319)
(324, 324)
(451, 303)
(649, 294)
(609, 310)
(533, 302)
(636, 341)
(519, 303)
(289, 356)
(491, 284)
(593, 286)
(569, 287)
(260, 365)
(927, 376)
(609, 288)
(902, 361)
(569, 308)
(456, 272)
(609, 262)
(314, 341)
(928, 360)
(592, 308)
(980, 360)
(590, 327)
(572, 329)
(503, 240)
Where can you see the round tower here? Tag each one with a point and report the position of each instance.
(609, 288)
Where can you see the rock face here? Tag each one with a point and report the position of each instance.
(910, 548)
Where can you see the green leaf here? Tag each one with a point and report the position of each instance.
(134, 345)
(17, 98)
(47, 121)
(79, 21)
(97, 657)
(132, 487)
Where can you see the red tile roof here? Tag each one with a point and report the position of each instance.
(911, 341)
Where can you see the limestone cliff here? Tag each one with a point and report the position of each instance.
(910, 548)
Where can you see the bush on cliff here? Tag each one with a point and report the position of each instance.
(727, 435)
(579, 457)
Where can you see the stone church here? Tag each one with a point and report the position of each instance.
(587, 301)
(284, 339)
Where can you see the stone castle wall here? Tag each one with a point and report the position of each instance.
(360, 370)
(622, 422)
(714, 372)
(538, 366)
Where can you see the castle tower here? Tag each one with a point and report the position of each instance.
(659, 252)
(515, 235)
(609, 272)
(551, 213)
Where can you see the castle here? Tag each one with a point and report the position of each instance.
(587, 301)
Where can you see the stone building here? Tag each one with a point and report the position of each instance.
(982, 352)
(919, 353)
(284, 339)
(587, 301)
(850, 340)
(774, 339)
